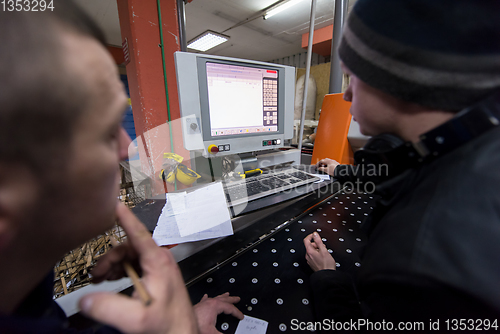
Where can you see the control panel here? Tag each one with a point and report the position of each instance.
(214, 149)
(271, 142)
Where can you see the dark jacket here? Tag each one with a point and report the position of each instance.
(434, 245)
(40, 314)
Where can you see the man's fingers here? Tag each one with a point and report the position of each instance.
(224, 298)
(307, 243)
(308, 238)
(317, 240)
(310, 243)
(228, 299)
(228, 308)
(141, 241)
(323, 162)
(309, 248)
(110, 261)
(224, 294)
(322, 168)
(137, 234)
(116, 310)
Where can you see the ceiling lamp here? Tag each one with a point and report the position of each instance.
(281, 8)
(207, 40)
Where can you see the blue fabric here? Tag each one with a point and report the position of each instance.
(40, 314)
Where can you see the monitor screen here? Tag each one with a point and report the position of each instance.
(241, 99)
(235, 105)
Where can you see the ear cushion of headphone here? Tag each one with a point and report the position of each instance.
(383, 143)
(376, 149)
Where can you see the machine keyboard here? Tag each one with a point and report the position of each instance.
(249, 189)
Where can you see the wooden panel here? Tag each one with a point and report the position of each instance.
(320, 73)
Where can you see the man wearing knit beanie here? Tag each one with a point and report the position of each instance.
(428, 72)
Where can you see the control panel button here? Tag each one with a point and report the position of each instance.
(213, 149)
(227, 147)
(221, 148)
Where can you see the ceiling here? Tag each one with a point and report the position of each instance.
(277, 37)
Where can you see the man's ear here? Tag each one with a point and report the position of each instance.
(18, 194)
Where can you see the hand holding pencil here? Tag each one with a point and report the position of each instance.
(139, 287)
(169, 311)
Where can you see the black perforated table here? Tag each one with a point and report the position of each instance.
(271, 275)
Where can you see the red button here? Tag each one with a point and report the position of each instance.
(214, 149)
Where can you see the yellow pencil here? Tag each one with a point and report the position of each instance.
(143, 293)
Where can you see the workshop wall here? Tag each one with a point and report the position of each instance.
(321, 74)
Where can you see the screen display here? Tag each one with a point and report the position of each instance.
(241, 99)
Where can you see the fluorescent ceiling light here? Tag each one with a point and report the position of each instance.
(209, 39)
(281, 8)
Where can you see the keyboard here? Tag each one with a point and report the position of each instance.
(255, 187)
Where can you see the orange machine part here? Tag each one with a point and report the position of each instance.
(333, 127)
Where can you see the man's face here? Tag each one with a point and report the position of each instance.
(88, 188)
(373, 109)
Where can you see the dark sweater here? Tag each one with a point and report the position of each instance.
(40, 314)
(434, 245)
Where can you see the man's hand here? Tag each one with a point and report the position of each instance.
(208, 308)
(110, 265)
(317, 255)
(327, 165)
(170, 311)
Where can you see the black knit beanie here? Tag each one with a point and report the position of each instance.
(441, 54)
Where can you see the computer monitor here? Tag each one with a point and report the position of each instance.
(232, 106)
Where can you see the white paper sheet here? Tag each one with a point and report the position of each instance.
(251, 325)
(323, 177)
(178, 202)
(197, 215)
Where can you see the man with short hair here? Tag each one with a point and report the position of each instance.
(61, 142)
(425, 83)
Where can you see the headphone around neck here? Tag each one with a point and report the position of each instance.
(400, 155)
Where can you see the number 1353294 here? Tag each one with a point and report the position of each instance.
(26, 5)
